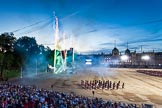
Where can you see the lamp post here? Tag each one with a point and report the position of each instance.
(36, 67)
(21, 76)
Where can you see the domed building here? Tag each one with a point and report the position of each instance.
(115, 52)
(115, 58)
(128, 55)
(127, 52)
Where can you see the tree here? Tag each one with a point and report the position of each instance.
(27, 47)
(7, 41)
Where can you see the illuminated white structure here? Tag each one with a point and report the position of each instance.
(145, 57)
(88, 61)
(124, 58)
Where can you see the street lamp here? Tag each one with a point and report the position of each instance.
(36, 62)
(21, 74)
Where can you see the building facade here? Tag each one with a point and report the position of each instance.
(143, 59)
(131, 59)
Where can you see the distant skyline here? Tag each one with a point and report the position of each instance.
(94, 25)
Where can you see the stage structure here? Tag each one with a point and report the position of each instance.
(63, 59)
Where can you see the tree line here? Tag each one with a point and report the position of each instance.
(22, 52)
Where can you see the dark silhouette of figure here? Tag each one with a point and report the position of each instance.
(123, 85)
(93, 93)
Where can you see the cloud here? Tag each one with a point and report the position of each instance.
(145, 40)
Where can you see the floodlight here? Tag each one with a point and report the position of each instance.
(124, 57)
(88, 63)
(145, 57)
(88, 60)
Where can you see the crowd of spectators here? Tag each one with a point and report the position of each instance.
(151, 72)
(19, 96)
(101, 84)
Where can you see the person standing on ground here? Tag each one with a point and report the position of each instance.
(93, 92)
(122, 85)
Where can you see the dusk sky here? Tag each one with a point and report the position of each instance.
(93, 24)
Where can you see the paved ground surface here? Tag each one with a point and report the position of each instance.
(139, 88)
